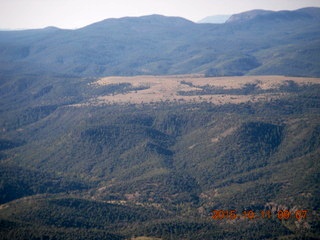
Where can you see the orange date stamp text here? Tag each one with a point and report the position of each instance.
(263, 214)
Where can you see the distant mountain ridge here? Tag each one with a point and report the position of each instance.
(215, 19)
(284, 15)
(249, 15)
(255, 42)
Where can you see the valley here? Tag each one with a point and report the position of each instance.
(144, 127)
(123, 158)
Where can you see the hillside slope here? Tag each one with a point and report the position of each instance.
(73, 169)
(151, 156)
(272, 43)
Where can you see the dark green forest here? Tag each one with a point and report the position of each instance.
(156, 170)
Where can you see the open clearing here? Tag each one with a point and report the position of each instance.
(193, 88)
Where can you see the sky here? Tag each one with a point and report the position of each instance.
(72, 14)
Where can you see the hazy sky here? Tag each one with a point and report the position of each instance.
(17, 14)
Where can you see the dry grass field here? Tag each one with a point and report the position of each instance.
(169, 89)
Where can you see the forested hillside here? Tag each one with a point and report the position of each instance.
(96, 144)
(72, 169)
(252, 43)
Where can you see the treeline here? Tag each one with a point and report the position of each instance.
(288, 86)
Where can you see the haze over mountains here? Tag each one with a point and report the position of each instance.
(215, 19)
(87, 155)
(251, 43)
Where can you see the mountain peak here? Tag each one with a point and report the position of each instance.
(51, 29)
(285, 15)
(246, 16)
(215, 19)
(154, 19)
(311, 11)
